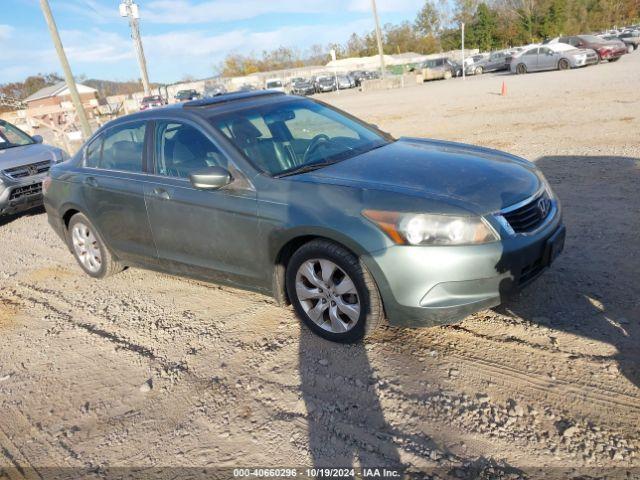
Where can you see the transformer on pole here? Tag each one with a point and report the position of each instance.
(128, 8)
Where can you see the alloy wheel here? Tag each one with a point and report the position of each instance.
(328, 295)
(86, 247)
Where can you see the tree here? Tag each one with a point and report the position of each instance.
(482, 31)
(428, 20)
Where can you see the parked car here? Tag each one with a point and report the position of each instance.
(302, 87)
(553, 56)
(610, 50)
(186, 95)
(291, 197)
(358, 76)
(344, 82)
(326, 84)
(274, 84)
(631, 39)
(495, 62)
(214, 90)
(24, 162)
(152, 101)
(440, 68)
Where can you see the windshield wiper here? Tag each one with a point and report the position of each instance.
(305, 168)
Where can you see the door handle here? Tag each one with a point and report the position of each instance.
(92, 182)
(161, 193)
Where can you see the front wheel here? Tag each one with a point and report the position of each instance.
(563, 64)
(478, 71)
(89, 249)
(521, 69)
(630, 48)
(332, 292)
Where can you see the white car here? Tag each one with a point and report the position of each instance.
(274, 84)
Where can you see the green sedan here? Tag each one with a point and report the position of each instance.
(287, 196)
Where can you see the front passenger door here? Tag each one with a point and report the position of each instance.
(206, 233)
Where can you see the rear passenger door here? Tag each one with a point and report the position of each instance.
(206, 233)
(547, 59)
(112, 184)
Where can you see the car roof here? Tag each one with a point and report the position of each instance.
(205, 106)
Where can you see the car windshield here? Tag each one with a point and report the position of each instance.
(155, 98)
(294, 136)
(274, 84)
(11, 136)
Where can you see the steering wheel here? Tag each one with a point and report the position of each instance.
(314, 144)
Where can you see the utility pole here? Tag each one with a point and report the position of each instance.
(378, 36)
(68, 76)
(463, 67)
(128, 8)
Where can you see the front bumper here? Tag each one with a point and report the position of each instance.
(427, 286)
(19, 196)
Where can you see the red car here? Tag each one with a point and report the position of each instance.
(152, 101)
(610, 50)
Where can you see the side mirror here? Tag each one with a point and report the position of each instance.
(210, 178)
(38, 138)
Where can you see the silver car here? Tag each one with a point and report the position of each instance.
(553, 56)
(24, 162)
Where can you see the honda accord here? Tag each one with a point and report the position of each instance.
(288, 196)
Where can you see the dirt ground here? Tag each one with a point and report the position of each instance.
(147, 370)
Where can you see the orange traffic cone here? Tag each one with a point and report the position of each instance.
(504, 89)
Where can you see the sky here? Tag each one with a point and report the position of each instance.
(180, 37)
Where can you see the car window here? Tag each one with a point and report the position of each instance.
(13, 136)
(122, 148)
(182, 149)
(92, 153)
(533, 51)
(544, 50)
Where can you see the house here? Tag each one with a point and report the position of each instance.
(53, 104)
(55, 95)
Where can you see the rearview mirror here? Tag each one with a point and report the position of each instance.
(210, 178)
(38, 138)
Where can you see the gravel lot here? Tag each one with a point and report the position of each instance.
(148, 370)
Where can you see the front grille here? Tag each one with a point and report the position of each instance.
(28, 170)
(530, 216)
(27, 190)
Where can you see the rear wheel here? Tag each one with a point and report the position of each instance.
(563, 64)
(332, 292)
(89, 249)
(521, 69)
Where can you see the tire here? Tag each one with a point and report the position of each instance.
(563, 64)
(447, 74)
(98, 262)
(521, 69)
(614, 59)
(314, 277)
(478, 71)
(630, 48)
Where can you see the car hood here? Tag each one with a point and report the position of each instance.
(18, 156)
(476, 179)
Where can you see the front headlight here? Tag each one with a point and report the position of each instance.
(429, 229)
